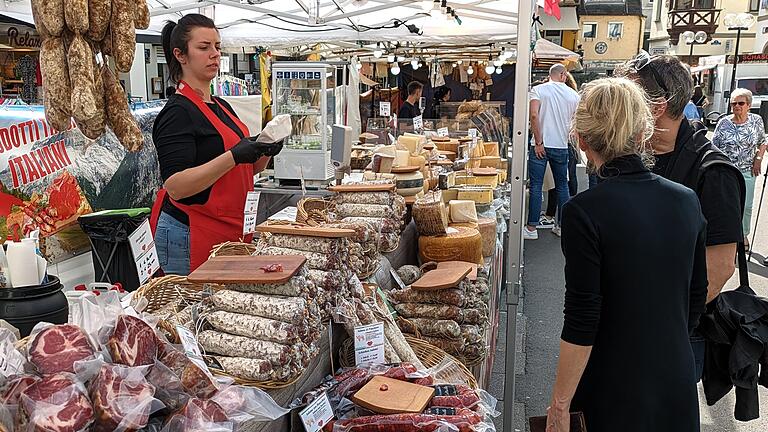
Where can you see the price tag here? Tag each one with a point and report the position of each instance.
(385, 109)
(317, 414)
(418, 123)
(287, 214)
(472, 133)
(250, 213)
(191, 349)
(144, 251)
(443, 132)
(369, 343)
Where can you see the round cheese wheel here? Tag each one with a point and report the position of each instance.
(409, 184)
(460, 244)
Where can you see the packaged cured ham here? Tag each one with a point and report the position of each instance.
(132, 342)
(57, 348)
(122, 399)
(55, 403)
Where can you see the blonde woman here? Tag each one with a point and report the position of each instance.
(636, 279)
(741, 136)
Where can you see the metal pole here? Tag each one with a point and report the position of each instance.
(690, 56)
(733, 73)
(517, 155)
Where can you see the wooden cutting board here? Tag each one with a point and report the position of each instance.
(390, 396)
(449, 264)
(442, 278)
(484, 171)
(404, 169)
(302, 230)
(246, 269)
(363, 188)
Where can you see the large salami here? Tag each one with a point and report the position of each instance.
(288, 309)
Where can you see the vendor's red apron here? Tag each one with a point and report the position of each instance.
(221, 218)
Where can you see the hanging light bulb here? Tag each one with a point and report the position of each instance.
(378, 52)
(470, 70)
(498, 70)
(400, 59)
(415, 64)
(395, 69)
(391, 58)
(498, 62)
(460, 62)
(490, 69)
(358, 65)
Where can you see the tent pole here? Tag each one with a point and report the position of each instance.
(518, 157)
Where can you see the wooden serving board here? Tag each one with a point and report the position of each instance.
(442, 278)
(404, 169)
(440, 139)
(390, 396)
(363, 188)
(484, 171)
(246, 269)
(302, 230)
(449, 264)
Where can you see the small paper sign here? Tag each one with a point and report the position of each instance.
(251, 212)
(191, 349)
(144, 251)
(418, 123)
(287, 214)
(317, 414)
(472, 133)
(385, 109)
(443, 132)
(369, 343)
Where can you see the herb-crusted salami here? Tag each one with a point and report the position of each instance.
(123, 34)
(51, 13)
(256, 327)
(257, 370)
(419, 310)
(141, 15)
(239, 346)
(99, 13)
(475, 316)
(58, 88)
(288, 309)
(378, 198)
(471, 333)
(315, 260)
(364, 210)
(304, 243)
(453, 297)
(297, 286)
(76, 15)
(448, 329)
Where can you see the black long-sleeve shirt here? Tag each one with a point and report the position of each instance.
(636, 284)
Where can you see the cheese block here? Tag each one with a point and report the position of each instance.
(491, 148)
(491, 181)
(490, 162)
(462, 211)
(450, 194)
(451, 146)
(414, 143)
(418, 161)
(401, 159)
(478, 194)
(487, 228)
(459, 244)
(504, 164)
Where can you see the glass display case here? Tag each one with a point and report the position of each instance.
(308, 92)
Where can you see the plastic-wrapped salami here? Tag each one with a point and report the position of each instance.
(122, 399)
(196, 415)
(451, 346)
(419, 310)
(55, 403)
(239, 346)
(448, 329)
(288, 309)
(99, 13)
(257, 369)
(410, 423)
(366, 316)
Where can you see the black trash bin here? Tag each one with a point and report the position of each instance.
(112, 258)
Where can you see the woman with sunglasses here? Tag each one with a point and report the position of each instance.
(741, 136)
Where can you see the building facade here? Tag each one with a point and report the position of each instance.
(761, 29)
(670, 18)
(611, 32)
(565, 31)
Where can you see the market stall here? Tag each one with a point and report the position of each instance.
(380, 273)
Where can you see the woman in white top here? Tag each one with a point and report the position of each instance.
(741, 136)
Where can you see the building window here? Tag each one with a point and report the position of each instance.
(590, 30)
(754, 5)
(694, 4)
(615, 30)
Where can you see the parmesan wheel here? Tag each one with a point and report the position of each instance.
(460, 244)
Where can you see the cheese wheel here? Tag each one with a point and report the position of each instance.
(487, 228)
(472, 225)
(460, 244)
(409, 184)
(462, 211)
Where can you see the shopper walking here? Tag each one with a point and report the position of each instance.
(741, 136)
(206, 157)
(636, 279)
(409, 108)
(552, 107)
(700, 100)
(685, 155)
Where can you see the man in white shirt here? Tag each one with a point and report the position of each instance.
(552, 107)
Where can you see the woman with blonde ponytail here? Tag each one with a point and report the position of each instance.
(636, 279)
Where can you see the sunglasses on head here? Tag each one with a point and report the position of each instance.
(739, 103)
(642, 61)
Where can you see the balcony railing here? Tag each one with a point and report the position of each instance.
(693, 20)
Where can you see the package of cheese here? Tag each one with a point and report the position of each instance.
(462, 211)
(459, 244)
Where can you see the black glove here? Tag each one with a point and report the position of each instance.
(249, 151)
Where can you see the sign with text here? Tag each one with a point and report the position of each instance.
(418, 123)
(443, 132)
(385, 109)
(369, 343)
(317, 414)
(144, 251)
(251, 210)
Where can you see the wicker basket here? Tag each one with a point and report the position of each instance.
(429, 355)
(233, 249)
(313, 211)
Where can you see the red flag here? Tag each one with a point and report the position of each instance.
(552, 8)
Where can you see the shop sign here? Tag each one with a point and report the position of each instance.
(750, 58)
(49, 178)
(23, 38)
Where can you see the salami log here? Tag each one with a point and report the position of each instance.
(451, 346)
(295, 287)
(471, 333)
(304, 243)
(256, 327)
(395, 337)
(238, 346)
(465, 400)
(123, 34)
(105, 45)
(409, 423)
(453, 297)
(448, 329)
(37, 16)
(475, 316)
(76, 15)
(257, 370)
(58, 90)
(292, 310)
(95, 126)
(315, 260)
(141, 14)
(419, 310)
(99, 14)
(52, 16)
(383, 225)
(377, 198)
(119, 116)
(366, 316)
(365, 210)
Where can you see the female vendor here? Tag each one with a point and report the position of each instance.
(207, 160)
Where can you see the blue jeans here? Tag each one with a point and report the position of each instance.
(172, 242)
(558, 162)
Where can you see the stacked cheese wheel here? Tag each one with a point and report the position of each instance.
(263, 332)
(76, 86)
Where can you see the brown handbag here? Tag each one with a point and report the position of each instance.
(539, 424)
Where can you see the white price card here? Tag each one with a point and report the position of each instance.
(472, 133)
(418, 123)
(287, 214)
(369, 343)
(191, 349)
(317, 414)
(385, 109)
(443, 132)
(144, 251)
(250, 213)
